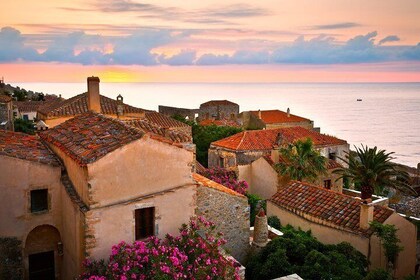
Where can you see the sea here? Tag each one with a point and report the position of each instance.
(387, 115)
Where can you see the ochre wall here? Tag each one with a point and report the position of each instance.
(140, 168)
(261, 177)
(110, 225)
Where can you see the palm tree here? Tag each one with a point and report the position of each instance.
(300, 161)
(372, 170)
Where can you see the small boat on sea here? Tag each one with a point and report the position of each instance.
(358, 99)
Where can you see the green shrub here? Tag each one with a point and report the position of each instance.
(299, 252)
(253, 201)
(378, 274)
(274, 222)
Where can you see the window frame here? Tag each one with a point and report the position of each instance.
(144, 225)
(32, 201)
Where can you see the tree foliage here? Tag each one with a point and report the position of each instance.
(203, 136)
(301, 161)
(372, 170)
(24, 126)
(299, 252)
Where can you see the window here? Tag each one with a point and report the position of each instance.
(145, 222)
(332, 156)
(221, 162)
(232, 116)
(327, 184)
(39, 200)
(25, 117)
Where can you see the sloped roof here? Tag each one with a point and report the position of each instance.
(218, 103)
(163, 121)
(78, 104)
(267, 139)
(26, 147)
(199, 167)
(5, 98)
(212, 184)
(277, 116)
(28, 106)
(149, 127)
(90, 136)
(337, 209)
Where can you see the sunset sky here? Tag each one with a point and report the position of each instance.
(210, 41)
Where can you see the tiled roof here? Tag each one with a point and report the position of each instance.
(332, 164)
(79, 104)
(217, 103)
(267, 139)
(337, 209)
(201, 180)
(149, 127)
(90, 136)
(26, 147)
(5, 98)
(219, 123)
(164, 121)
(277, 116)
(28, 106)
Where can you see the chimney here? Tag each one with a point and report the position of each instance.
(288, 112)
(366, 213)
(259, 114)
(275, 154)
(94, 102)
(260, 238)
(120, 105)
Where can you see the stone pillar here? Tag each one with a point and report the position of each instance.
(366, 213)
(260, 230)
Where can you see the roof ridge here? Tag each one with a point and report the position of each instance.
(242, 139)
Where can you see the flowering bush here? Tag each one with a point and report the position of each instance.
(191, 255)
(226, 178)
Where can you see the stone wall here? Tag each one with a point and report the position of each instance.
(6, 114)
(219, 112)
(171, 111)
(232, 159)
(230, 213)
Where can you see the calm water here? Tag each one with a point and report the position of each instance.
(388, 116)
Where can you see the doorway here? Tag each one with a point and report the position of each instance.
(41, 266)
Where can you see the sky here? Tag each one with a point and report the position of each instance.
(210, 41)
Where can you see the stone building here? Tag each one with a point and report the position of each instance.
(57, 112)
(6, 113)
(93, 181)
(334, 217)
(247, 146)
(271, 119)
(31, 198)
(218, 110)
(229, 210)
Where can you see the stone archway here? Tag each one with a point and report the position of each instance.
(42, 256)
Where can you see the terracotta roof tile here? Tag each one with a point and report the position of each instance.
(26, 147)
(79, 104)
(5, 98)
(341, 210)
(149, 127)
(90, 136)
(201, 180)
(277, 116)
(332, 164)
(267, 139)
(164, 121)
(28, 106)
(218, 103)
